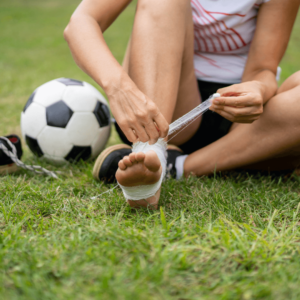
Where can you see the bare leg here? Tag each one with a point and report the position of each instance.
(270, 143)
(159, 59)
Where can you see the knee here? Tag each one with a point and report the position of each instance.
(157, 9)
(290, 83)
(294, 79)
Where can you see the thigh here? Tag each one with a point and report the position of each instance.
(288, 93)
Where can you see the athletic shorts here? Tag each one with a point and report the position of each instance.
(212, 127)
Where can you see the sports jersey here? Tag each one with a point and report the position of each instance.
(223, 32)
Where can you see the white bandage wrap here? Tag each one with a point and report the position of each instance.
(147, 191)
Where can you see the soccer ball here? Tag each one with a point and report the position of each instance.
(66, 120)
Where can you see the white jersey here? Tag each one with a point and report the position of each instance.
(223, 32)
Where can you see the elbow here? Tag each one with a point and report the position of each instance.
(66, 33)
(68, 30)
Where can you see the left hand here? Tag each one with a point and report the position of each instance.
(240, 103)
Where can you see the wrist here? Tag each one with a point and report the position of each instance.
(260, 86)
(118, 81)
(265, 92)
(267, 87)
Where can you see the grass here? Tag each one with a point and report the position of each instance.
(230, 237)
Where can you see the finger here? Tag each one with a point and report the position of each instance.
(246, 100)
(152, 132)
(141, 133)
(225, 115)
(231, 89)
(162, 125)
(243, 119)
(239, 111)
(130, 135)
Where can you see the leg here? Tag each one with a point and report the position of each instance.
(159, 59)
(270, 143)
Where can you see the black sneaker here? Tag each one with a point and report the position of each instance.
(173, 153)
(106, 164)
(6, 164)
(121, 134)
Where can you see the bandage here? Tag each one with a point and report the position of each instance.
(147, 191)
(160, 148)
(189, 117)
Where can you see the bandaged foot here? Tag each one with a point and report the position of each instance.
(141, 173)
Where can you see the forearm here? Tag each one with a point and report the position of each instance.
(91, 53)
(266, 80)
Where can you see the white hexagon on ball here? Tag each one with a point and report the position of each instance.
(54, 159)
(81, 129)
(100, 140)
(97, 94)
(78, 99)
(54, 142)
(49, 93)
(33, 120)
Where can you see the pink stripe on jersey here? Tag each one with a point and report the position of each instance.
(223, 32)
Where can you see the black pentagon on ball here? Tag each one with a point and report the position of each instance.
(58, 114)
(29, 101)
(102, 114)
(34, 146)
(78, 152)
(69, 81)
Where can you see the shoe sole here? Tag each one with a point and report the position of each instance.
(100, 159)
(7, 169)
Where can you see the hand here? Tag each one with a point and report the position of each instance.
(240, 103)
(136, 114)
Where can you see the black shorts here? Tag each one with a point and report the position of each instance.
(212, 127)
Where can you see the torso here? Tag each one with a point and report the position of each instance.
(223, 32)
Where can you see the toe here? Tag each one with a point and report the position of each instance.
(121, 165)
(127, 161)
(140, 156)
(152, 161)
(132, 158)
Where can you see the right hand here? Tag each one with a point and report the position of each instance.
(137, 115)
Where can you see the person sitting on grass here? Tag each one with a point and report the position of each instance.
(179, 53)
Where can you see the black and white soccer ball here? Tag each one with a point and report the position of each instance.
(66, 120)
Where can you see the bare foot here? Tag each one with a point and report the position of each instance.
(140, 169)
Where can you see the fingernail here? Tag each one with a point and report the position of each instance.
(216, 102)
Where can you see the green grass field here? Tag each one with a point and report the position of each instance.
(230, 237)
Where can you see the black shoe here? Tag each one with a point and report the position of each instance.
(106, 164)
(6, 164)
(121, 134)
(173, 153)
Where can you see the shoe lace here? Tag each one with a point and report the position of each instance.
(13, 156)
